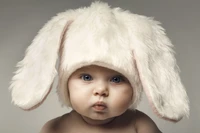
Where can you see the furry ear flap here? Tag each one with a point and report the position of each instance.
(159, 72)
(36, 72)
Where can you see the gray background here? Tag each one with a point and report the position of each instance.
(20, 21)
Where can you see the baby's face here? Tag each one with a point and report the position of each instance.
(99, 93)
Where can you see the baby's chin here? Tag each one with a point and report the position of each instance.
(106, 116)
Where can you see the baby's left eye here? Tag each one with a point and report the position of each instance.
(117, 79)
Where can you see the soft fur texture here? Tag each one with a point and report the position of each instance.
(131, 44)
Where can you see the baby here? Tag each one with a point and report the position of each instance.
(107, 58)
(100, 98)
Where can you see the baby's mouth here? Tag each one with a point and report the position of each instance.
(99, 106)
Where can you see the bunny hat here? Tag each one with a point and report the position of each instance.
(134, 45)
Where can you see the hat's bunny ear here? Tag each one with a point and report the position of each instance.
(36, 72)
(159, 72)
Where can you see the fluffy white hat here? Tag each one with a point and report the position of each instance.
(131, 44)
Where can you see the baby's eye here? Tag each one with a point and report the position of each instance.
(117, 79)
(86, 77)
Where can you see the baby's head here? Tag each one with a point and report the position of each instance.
(112, 39)
(118, 59)
(98, 92)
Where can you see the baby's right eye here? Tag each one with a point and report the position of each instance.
(86, 77)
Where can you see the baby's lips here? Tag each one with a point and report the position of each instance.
(100, 106)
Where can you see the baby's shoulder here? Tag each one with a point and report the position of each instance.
(54, 125)
(144, 124)
(50, 126)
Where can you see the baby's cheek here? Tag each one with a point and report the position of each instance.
(76, 103)
(122, 101)
(78, 96)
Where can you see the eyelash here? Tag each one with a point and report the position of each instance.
(119, 77)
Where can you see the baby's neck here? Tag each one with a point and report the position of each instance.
(96, 122)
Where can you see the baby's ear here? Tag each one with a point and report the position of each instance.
(159, 72)
(36, 72)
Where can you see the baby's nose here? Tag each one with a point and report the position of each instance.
(101, 90)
